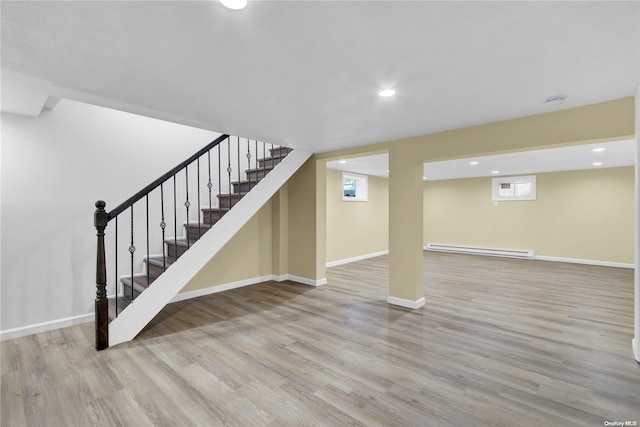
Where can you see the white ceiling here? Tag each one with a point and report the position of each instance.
(616, 154)
(306, 73)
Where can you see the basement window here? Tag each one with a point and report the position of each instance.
(513, 188)
(355, 187)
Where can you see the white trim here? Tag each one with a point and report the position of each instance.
(221, 288)
(407, 303)
(584, 261)
(303, 280)
(505, 253)
(356, 258)
(635, 344)
(45, 326)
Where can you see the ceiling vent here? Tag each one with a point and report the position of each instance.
(555, 100)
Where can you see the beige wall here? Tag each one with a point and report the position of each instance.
(246, 256)
(356, 228)
(579, 214)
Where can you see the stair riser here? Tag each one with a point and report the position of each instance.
(155, 271)
(175, 251)
(192, 232)
(244, 187)
(280, 151)
(269, 162)
(226, 202)
(211, 217)
(252, 175)
(127, 291)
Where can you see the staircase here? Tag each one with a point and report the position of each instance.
(155, 266)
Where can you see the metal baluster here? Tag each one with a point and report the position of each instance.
(147, 202)
(264, 156)
(256, 162)
(198, 164)
(209, 184)
(132, 249)
(239, 181)
(229, 167)
(175, 215)
(219, 184)
(186, 203)
(115, 274)
(163, 225)
(249, 161)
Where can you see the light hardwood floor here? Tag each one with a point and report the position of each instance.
(499, 343)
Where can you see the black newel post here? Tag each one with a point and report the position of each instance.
(102, 307)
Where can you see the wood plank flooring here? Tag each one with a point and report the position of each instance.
(499, 343)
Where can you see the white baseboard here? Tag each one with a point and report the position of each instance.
(303, 280)
(45, 326)
(221, 288)
(247, 282)
(406, 302)
(356, 258)
(89, 317)
(585, 261)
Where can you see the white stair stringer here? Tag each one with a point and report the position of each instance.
(146, 306)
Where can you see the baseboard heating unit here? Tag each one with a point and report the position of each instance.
(507, 253)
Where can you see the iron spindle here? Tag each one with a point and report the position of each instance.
(209, 184)
(239, 181)
(175, 215)
(163, 225)
(147, 203)
(229, 168)
(219, 185)
(186, 204)
(132, 249)
(115, 274)
(198, 181)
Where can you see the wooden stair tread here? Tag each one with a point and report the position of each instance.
(140, 283)
(157, 260)
(123, 302)
(179, 242)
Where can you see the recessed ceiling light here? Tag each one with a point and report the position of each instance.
(495, 172)
(342, 162)
(234, 4)
(598, 150)
(597, 163)
(474, 163)
(387, 170)
(387, 93)
(424, 178)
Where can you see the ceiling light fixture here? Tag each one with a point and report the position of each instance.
(234, 4)
(598, 150)
(474, 163)
(342, 162)
(387, 93)
(495, 172)
(597, 163)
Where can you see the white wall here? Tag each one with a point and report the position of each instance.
(54, 168)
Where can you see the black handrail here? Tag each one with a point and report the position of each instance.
(146, 190)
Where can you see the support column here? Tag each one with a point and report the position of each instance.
(405, 229)
(307, 224)
(636, 340)
(280, 233)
